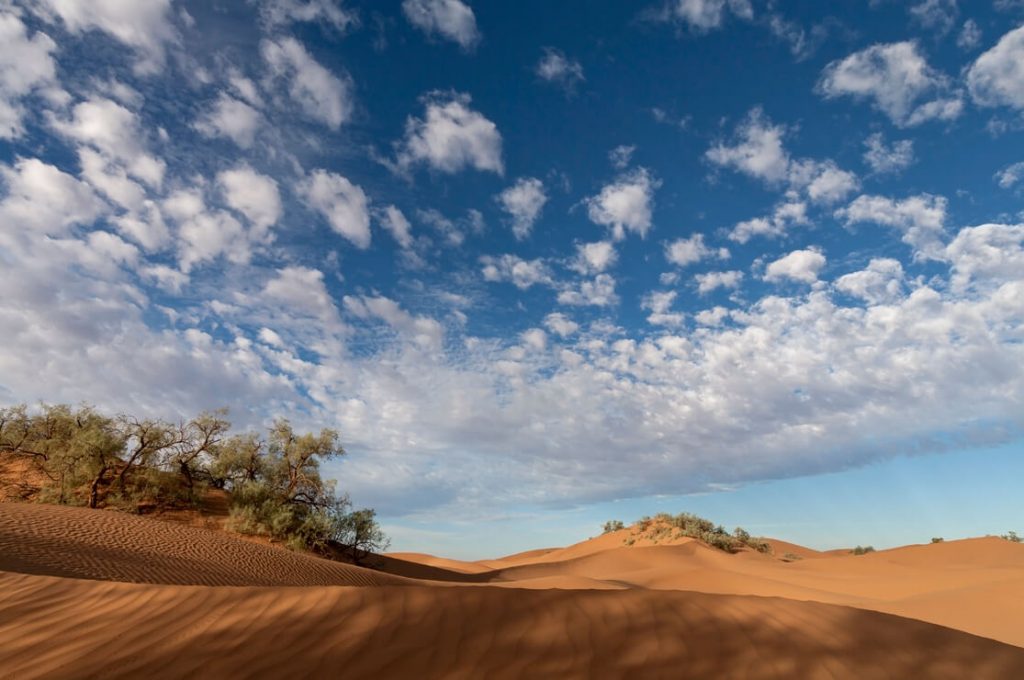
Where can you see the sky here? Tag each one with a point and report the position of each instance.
(541, 264)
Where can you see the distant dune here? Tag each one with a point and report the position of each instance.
(107, 595)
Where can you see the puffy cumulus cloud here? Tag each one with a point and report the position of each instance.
(593, 258)
(711, 281)
(596, 292)
(800, 265)
(560, 324)
(27, 66)
(205, 234)
(534, 339)
(45, 199)
(823, 181)
(785, 215)
(320, 94)
(757, 151)
(683, 252)
(554, 67)
(936, 15)
(280, 13)
(1011, 175)
(996, 78)
(702, 16)
(626, 204)
(451, 136)
(921, 219)
(449, 19)
(422, 331)
(343, 204)
(881, 282)
(117, 133)
(231, 118)
(660, 305)
(897, 80)
(397, 224)
(147, 27)
(886, 159)
(253, 195)
(986, 256)
(513, 269)
(523, 201)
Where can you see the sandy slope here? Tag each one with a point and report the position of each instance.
(102, 594)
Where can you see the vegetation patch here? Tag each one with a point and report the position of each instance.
(664, 526)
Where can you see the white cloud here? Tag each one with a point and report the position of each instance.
(625, 205)
(1010, 175)
(969, 36)
(422, 331)
(936, 15)
(593, 258)
(897, 80)
(799, 265)
(660, 305)
(785, 215)
(883, 159)
(454, 231)
(758, 151)
(41, 197)
(881, 282)
(279, 13)
(204, 234)
(116, 132)
(450, 19)
(302, 291)
(342, 203)
(560, 324)
(535, 339)
(322, 95)
(986, 257)
(621, 156)
(231, 118)
(920, 218)
(514, 269)
(254, 195)
(715, 280)
(395, 222)
(145, 26)
(824, 182)
(555, 67)
(705, 15)
(598, 292)
(711, 317)
(451, 136)
(686, 251)
(997, 77)
(26, 66)
(523, 201)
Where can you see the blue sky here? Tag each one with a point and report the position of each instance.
(540, 263)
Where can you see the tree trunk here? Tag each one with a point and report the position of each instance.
(94, 488)
(187, 474)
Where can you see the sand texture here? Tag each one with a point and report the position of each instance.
(107, 595)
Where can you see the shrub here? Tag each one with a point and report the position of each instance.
(937, 539)
(791, 557)
(1012, 537)
(613, 525)
(859, 550)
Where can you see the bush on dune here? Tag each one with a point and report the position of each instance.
(685, 524)
(83, 457)
(863, 550)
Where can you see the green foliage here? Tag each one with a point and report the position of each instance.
(685, 524)
(613, 525)
(863, 550)
(1012, 537)
(87, 458)
(938, 539)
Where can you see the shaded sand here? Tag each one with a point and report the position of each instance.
(71, 628)
(113, 546)
(86, 593)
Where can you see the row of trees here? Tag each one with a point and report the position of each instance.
(80, 456)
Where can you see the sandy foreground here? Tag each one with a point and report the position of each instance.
(107, 595)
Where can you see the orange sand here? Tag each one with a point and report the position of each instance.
(102, 594)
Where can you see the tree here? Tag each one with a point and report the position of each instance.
(359, 532)
(197, 442)
(613, 525)
(146, 441)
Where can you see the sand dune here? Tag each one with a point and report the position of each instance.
(113, 546)
(71, 628)
(103, 594)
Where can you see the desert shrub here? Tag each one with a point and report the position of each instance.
(613, 525)
(937, 539)
(863, 550)
(1012, 537)
(791, 557)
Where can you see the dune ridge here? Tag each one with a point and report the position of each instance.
(86, 593)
